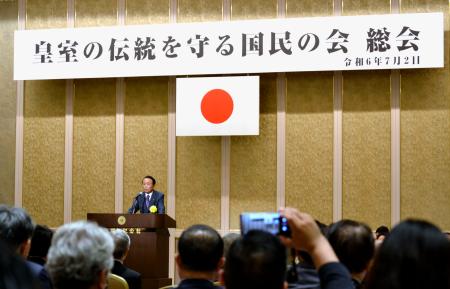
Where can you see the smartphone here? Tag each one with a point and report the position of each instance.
(265, 221)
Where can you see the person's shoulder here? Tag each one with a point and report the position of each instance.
(158, 193)
(35, 268)
(198, 284)
(117, 268)
(131, 273)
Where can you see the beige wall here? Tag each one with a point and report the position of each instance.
(309, 130)
(198, 159)
(425, 133)
(8, 23)
(198, 193)
(44, 128)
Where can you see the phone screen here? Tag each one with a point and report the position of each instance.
(265, 221)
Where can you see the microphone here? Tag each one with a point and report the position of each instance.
(133, 207)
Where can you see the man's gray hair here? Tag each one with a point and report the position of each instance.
(121, 243)
(79, 252)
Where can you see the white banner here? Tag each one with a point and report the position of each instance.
(393, 41)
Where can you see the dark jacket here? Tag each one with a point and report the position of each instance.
(197, 284)
(132, 277)
(40, 274)
(157, 199)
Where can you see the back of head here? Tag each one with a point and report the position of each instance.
(382, 231)
(121, 243)
(200, 248)
(40, 242)
(255, 261)
(415, 255)
(16, 226)
(228, 239)
(353, 244)
(79, 252)
(14, 274)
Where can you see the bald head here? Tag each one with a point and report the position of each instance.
(200, 248)
(353, 243)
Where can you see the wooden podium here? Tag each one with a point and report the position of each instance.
(149, 252)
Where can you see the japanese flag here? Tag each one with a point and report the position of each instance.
(217, 106)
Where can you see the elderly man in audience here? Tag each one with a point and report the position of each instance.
(16, 229)
(81, 256)
(121, 247)
(354, 245)
(200, 250)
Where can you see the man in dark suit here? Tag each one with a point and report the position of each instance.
(354, 245)
(121, 248)
(200, 256)
(149, 200)
(16, 229)
(256, 260)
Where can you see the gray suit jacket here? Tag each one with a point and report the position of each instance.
(138, 204)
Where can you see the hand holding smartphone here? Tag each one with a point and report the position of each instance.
(273, 223)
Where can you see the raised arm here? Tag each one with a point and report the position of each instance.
(306, 236)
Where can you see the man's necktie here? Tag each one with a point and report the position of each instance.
(147, 201)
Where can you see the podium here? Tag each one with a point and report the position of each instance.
(149, 251)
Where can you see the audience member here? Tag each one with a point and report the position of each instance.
(447, 234)
(16, 229)
(14, 274)
(228, 239)
(81, 256)
(415, 256)
(121, 247)
(40, 242)
(307, 236)
(200, 255)
(302, 274)
(354, 245)
(255, 261)
(381, 233)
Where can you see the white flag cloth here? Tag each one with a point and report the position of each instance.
(208, 106)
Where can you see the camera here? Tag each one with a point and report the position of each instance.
(265, 221)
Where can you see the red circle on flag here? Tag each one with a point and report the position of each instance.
(217, 106)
